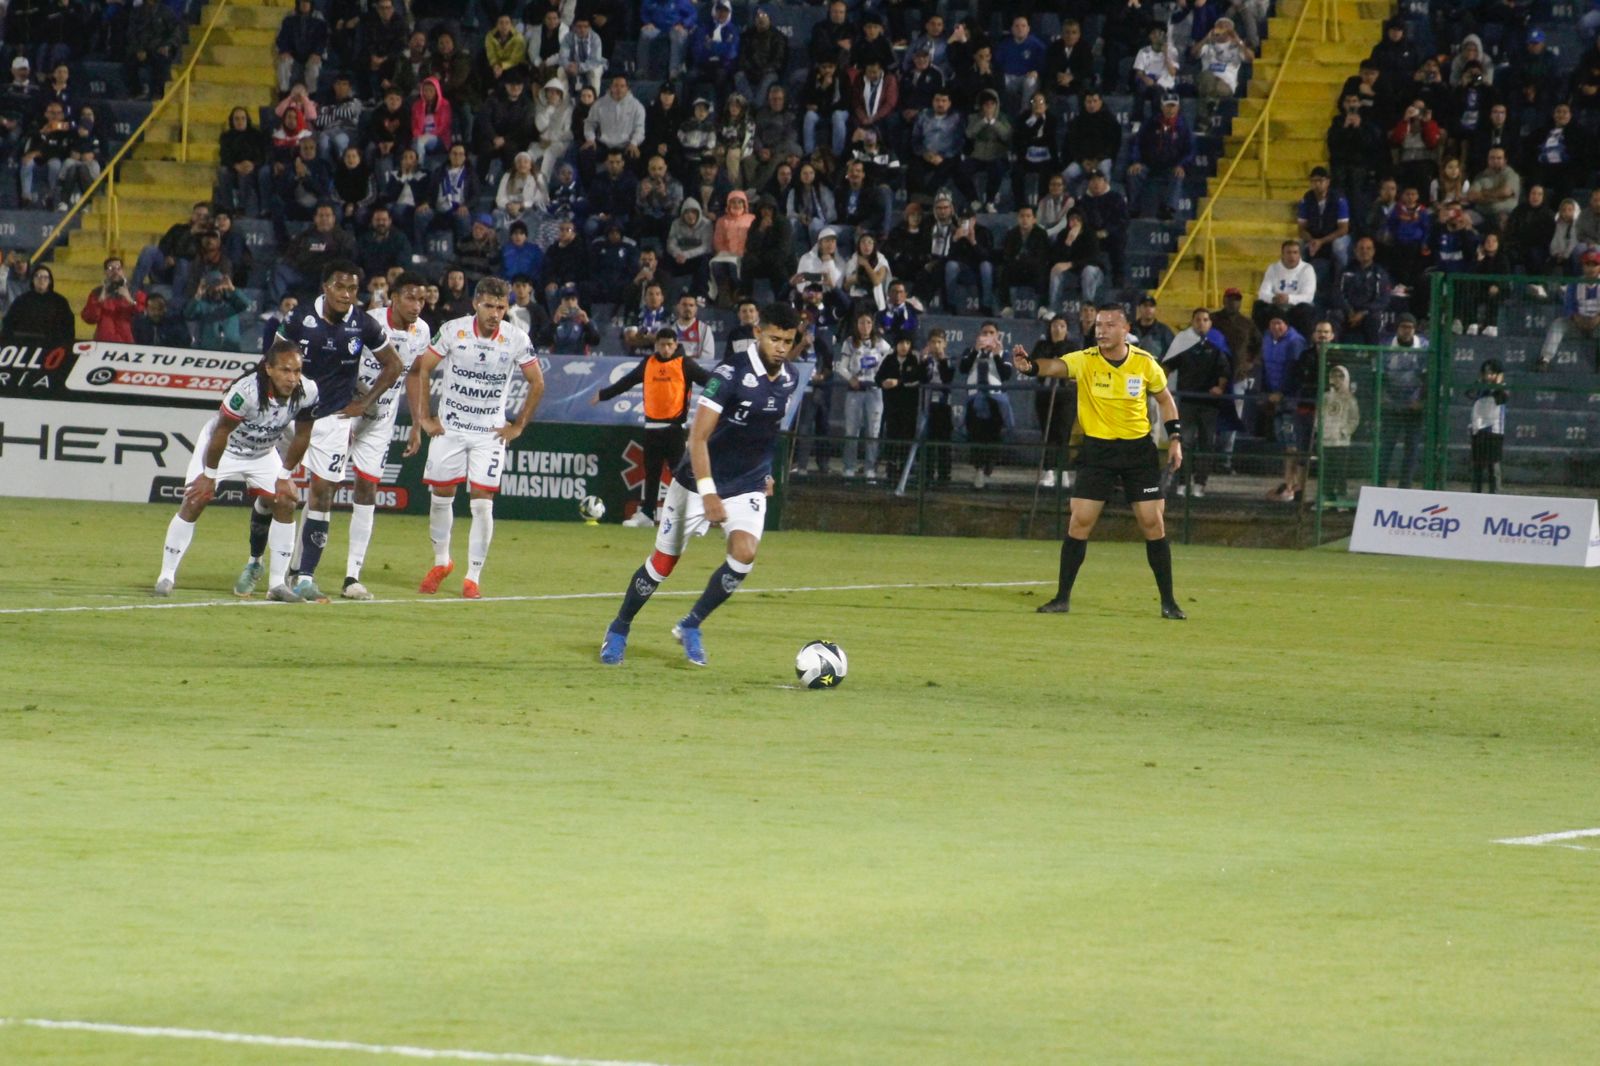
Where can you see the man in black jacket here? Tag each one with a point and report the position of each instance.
(156, 262)
(1068, 65)
(301, 261)
(1093, 139)
(154, 37)
(1364, 290)
(565, 262)
(1025, 259)
(1355, 148)
(383, 39)
(1396, 56)
(505, 124)
(667, 378)
(1200, 358)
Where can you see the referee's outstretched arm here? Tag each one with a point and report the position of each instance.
(1043, 368)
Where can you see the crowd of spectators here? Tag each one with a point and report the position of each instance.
(655, 157)
(1474, 156)
(472, 139)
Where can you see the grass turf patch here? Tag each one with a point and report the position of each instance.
(1263, 835)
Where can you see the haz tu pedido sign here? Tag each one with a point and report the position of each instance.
(1465, 525)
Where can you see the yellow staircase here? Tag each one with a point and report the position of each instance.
(154, 186)
(1250, 209)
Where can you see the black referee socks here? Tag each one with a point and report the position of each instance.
(1159, 553)
(1072, 553)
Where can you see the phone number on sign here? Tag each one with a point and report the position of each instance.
(172, 381)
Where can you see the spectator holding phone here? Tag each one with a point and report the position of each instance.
(112, 307)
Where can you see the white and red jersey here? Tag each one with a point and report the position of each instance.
(408, 344)
(477, 373)
(260, 423)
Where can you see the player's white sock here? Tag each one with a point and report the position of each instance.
(360, 535)
(179, 534)
(280, 545)
(482, 534)
(294, 550)
(441, 513)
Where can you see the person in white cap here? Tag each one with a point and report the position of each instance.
(822, 262)
(18, 101)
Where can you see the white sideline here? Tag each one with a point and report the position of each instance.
(607, 595)
(1551, 838)
(400, 1050)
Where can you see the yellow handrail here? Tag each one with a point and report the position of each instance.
(108, 172)
(1204, 229)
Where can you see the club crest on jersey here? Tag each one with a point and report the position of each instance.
(461, 334)
(355, 345)
(749, 380)
(310, 322)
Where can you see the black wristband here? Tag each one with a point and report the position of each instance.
(1174, 427)
(1033, 367)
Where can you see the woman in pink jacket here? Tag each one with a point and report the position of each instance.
(430, 120)
(727, 242)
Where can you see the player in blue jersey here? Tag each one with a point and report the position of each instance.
(332, 336)
(729, 466)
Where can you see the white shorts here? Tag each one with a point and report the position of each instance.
(329, 449)
(260, 473)
(684, 516)
(457, 457)
(369, 445)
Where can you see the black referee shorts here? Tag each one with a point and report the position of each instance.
(1103, 464)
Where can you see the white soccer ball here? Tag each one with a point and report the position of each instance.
(821, 664)
(592, 508)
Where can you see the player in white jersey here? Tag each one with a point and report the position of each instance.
(370, 435)
(478, 353)
(241, 441)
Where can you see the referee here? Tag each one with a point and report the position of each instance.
(1115, 381)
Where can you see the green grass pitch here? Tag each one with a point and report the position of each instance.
(1266, 835)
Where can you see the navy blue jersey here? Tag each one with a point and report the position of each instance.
(752, 406)
(332, 352)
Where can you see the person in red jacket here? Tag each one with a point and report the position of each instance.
(111, 307)
(430, 120)
(1416, 138)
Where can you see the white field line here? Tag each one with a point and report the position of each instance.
(308, 1043)
(1555, 838)
(610, 594)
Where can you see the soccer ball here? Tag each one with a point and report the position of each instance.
(591, 509)
(821, 664)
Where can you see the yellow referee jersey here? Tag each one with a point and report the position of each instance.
(1113, 398)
